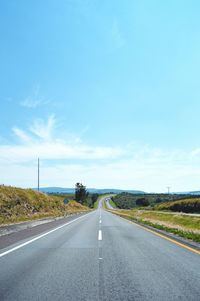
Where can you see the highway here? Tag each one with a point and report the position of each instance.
(108, 205)
(97, 256)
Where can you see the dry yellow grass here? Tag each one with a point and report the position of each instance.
(17, 204)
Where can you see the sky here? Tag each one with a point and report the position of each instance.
(106, 93)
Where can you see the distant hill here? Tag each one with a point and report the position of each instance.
(61, 190)
(189, 192)
(195, 192)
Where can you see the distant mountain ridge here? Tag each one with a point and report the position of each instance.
(190, 192)
(91, 190)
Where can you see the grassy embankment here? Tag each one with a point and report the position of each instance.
(182, 225)
(18, 205)
(96, 204)
(187, 205)
(186, 226)
(112, 203)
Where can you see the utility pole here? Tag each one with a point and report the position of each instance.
(38, 174)
(168, 189)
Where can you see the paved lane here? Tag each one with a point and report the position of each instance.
(139, 265)
(100, 257)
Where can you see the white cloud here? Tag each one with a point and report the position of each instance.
(34, 100)
(195, 152)
(131, 166)
(140, 174)
(32, 103)
(40, 141)
(56, 150)
(21, 135)
(42, 129)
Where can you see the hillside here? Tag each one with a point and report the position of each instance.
(17, 204)
(158, 201)
(187, 205)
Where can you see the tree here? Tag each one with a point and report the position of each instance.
(80, 193)
(94, 197)
(142, 202)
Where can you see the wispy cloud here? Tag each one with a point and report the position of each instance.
(40, 139)
(42, 129)
(39, 130)
(22, 135)
(135, 166)
(34, 100)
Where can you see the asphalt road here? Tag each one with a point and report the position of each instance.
(108, 204)
(98, 256)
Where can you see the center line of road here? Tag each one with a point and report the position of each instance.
(100, 235)
(40, 236)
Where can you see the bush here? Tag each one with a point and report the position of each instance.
(142, 202)
(187, 206)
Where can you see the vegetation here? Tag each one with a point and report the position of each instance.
(18, 204)
(128, 200)
(112, 203)
(95, 206)
(81, 193)
(142, 202)
(182, 225)
(93, 203)
(173, 202)
(124, 200)
(187, 205)
(84, 197)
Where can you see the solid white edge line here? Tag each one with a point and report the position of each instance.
(100, 235)
(40, 236)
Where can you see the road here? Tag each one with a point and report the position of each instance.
(108, 205)
(98, 256)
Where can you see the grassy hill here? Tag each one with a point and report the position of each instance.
(187, 205)
(173, 202)
(17, 204)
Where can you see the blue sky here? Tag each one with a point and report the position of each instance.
(104, 92)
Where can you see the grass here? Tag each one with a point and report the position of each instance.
(103, 197)
(17, 204)
(96, 203)
(112, 203)
(187, 205)
(182, 225)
